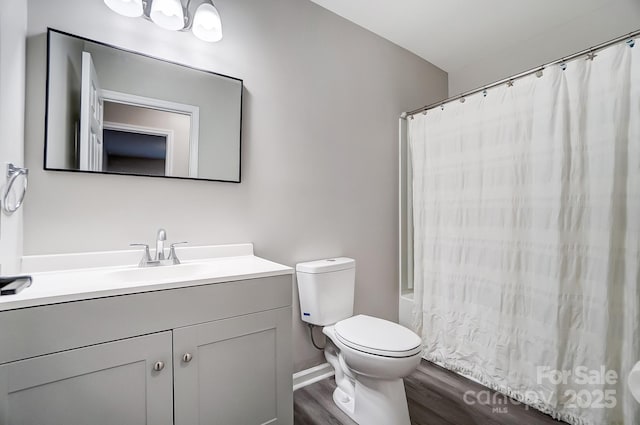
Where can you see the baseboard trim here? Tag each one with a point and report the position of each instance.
(312, 375)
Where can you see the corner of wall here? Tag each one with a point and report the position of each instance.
(13, 30)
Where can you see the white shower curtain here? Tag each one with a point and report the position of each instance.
(526, 206)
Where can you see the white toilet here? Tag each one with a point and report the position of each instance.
(370, 355)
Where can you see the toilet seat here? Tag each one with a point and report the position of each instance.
(378, 337)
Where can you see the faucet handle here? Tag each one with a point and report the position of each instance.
(172, 252)
(140, 244)
(147, 254)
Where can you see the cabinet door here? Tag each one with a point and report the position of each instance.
(235, 371)
(107, 384)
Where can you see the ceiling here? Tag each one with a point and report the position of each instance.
(453, 34)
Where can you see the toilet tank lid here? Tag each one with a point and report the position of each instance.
(327, 265)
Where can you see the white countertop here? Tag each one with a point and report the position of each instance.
(86, 283)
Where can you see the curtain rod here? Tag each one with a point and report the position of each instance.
(590, 50)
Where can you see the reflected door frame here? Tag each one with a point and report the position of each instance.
(163, 105)
(90, 148)
(152, 131)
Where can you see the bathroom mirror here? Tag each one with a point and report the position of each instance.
(119, 112)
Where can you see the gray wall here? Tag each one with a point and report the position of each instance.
(319, 154)
(589, 28)
(13, 27)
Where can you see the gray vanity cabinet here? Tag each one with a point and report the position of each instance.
(107, 384)
(212, 354)
(230, 372)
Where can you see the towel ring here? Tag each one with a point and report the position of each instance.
(13, 173)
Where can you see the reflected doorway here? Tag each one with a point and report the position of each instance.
(134, 152)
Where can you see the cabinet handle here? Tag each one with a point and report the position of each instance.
(158, 366)
(187, 357)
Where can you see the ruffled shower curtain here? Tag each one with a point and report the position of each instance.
(526, 206)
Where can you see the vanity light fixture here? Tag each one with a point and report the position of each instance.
(207, 25)
(204, 22)
(129, 8)
(167, 14)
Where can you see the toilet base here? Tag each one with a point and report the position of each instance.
(375, 402)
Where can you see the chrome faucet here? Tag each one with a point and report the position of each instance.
(160, 259)
(162, 236)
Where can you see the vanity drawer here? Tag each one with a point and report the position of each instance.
(36, 331)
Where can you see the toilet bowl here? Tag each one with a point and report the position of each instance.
(369, 370)
(376, 348)
(370, 356)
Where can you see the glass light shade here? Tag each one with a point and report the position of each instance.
(207, 25)
(167, 14)
(129, 8)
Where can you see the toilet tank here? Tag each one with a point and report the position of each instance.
(326, 288)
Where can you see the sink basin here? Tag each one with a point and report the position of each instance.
(180, 272)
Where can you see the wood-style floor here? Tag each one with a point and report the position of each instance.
(435, 396)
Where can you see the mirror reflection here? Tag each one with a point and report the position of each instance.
(113, 111)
